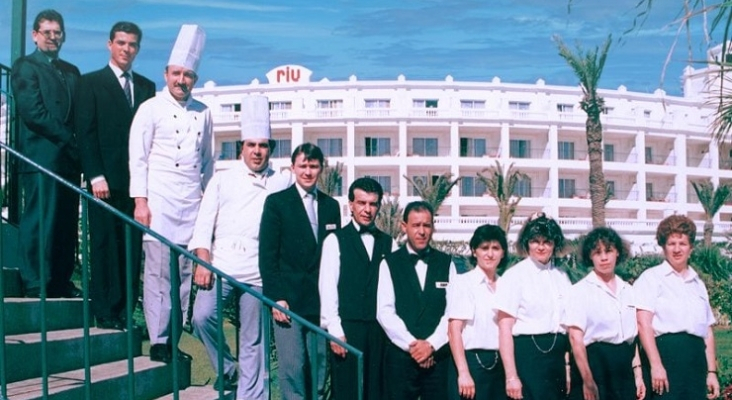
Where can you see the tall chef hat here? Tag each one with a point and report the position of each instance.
(188, 47)
(255, 118)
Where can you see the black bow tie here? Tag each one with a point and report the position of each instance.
(423, 255)
(366, 229)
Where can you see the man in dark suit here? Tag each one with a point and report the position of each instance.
(294, 223)
(43, 87)
(106, 101)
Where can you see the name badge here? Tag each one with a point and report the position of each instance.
(330, 227)
(441, 285)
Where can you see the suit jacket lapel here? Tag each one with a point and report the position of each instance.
(116, 93)
(300, 215)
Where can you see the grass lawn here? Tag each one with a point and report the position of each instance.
(723, 340)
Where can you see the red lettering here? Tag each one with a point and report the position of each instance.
(281, 73)
(295, 75)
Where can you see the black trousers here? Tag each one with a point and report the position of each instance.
(108, 257)
(368, 337)
(612, 370)
(540, 365)
(684, 358)
(406, 380)
(486, 369)
(54, 218)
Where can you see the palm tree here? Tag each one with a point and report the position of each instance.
(389, 217)
(588, 66)
(331, 179)
(711, 200)
(433, 190)
(501, 185)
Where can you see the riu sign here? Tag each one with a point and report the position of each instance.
(289, 74)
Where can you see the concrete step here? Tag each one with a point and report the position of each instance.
(65, 350)
(109, 381)
(24, 315)
(12, 284)
(200, 393)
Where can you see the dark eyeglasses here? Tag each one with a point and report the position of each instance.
(51, 34)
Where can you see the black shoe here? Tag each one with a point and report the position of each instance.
(110, 323)
(160, 353)
(33, 293)
(230, 382)
(67, 291)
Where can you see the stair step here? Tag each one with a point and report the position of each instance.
(66, 350)
(200, 393)
(13, 285)
(109, 381)
(24, 315)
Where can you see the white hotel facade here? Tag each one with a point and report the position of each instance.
(654, 144)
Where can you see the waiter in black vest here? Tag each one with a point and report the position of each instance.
(349, 273)
(411, 309)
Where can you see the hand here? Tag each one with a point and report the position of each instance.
(589, 390)
(659, 380)
(100, 189)
(640, 387)
(513, 388)
(203, 278)
(338, 349)
(142, 212)
(420, 350)
(429, 363)
(466, 386)
(712, 386)
(279, 316)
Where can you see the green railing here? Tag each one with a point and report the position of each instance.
(175, 250)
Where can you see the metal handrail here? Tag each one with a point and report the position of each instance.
(175, 298)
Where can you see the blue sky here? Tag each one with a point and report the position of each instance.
(380, 39)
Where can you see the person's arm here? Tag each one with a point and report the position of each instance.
(506, 347)
(712, 378)
(659, 380)
(270, 231)
(394, 327)
(466, 385)
(207, 151)
(328, 288)
(640, 386)
(589, 387)
(202, 276)
(140, 142)
(203, 233)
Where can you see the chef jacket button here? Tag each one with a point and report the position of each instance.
(178, 147)
(175, 116)
(195, 166)
(176, 164)
(176, 131)
(199, 133)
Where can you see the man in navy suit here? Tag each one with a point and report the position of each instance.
(106, 101)
(43, 88)
(294, 223)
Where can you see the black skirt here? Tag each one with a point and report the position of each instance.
(684, 358)
(612, 370)
(540, 365)
(486, 369)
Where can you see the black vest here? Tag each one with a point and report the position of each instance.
(420, 310)
(359, 277)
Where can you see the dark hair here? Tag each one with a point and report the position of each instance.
(416, 206)
(368, 185)
(310, 151)
(489, 233)
(680, 224)
(608, 238)
(126, 27)
(48, 15)
(539, 225)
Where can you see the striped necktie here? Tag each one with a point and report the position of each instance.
(128, 89)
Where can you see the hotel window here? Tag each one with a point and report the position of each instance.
(330, 104)
(470, 147)
(566, 150)
(231, 107)
(523, 187)
(566, 188)
(520, 149)
(424, 103)
(420, 179)
(519, 105)
(649, 155)
(647, 113)
(472, 104)
(331, 147)
(609, 152)
(610, 189)
(649, 191)
(607, 110)
(376, 147)
(282, 148)
(378, 103)
(280, 105)
(424, 146)
(384, 181)
(471, 186)
(565, 108)
(228, 151)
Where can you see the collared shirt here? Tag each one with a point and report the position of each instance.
(603, 315)
(303, 193)
(228, 220)
(118, 73)
(534, 294)
(330, 272)
(678, 303)
(470, 299)
(394, 327)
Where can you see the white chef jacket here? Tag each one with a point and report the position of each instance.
(534, 294)
(470, 299)
(171, 161)
(229, 217)
(602, 315)
(678, 304)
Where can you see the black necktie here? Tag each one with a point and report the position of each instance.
(57, 66)
(127, 88)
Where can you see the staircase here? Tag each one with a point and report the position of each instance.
(65, 349)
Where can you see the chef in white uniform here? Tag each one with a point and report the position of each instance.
(171, 161)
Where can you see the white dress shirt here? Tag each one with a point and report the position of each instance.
(470, 299)
(534, 294)
(228, 220)
(678, 303)
(603, 315)
(394, 327)
(330, 272)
